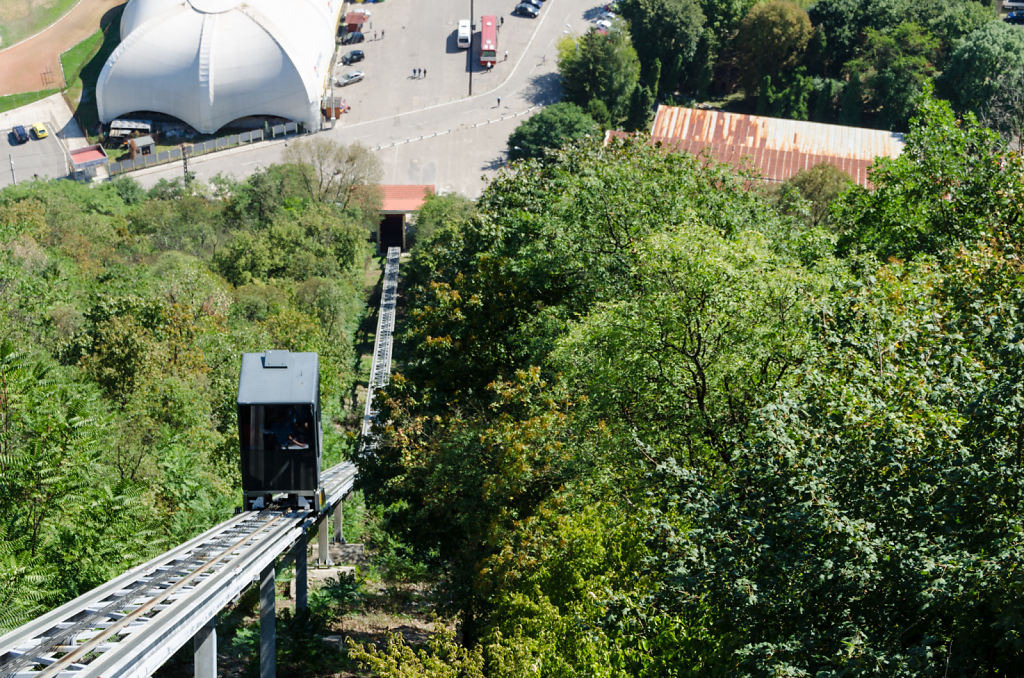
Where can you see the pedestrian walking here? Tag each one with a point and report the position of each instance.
(382, 34)
(415, 72)
(424, 72)
(499, 102)
(501, 21)
(506, 55)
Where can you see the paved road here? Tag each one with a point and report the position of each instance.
(431, 130)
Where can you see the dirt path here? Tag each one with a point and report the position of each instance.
(34, 64)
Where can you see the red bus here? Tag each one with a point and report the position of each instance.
(488, 40)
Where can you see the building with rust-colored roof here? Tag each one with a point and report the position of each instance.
(777, 148)
(397, 203)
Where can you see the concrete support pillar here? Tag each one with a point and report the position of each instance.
(323, 552)
(204, 645)
(339, 529)
(301, 597)
(268, 629)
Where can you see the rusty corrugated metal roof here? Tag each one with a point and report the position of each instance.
(777, 148)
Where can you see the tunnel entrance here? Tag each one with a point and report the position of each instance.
(391, 232)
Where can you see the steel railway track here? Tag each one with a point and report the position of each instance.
(134, 623)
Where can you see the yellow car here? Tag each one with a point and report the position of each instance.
(39, 131)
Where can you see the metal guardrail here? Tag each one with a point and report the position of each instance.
(380, 370)
(199, 148)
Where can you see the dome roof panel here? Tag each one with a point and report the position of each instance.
(138, 12)
(209, 62)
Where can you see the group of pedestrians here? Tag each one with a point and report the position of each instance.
(419, 73)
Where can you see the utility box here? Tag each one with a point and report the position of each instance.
(279, 426)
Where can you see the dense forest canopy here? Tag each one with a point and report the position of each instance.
(857, 62)
(123, 315)
(651, 417)
(656, 419)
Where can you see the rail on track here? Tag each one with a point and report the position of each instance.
(129, 626)
(380, 369)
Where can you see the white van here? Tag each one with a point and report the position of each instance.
(465, 34)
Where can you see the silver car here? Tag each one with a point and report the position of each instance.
(349, 78)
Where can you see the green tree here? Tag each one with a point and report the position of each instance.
(640, 105)
(724, 16)
(855, 538)
(851, 102)
(771, 41)
(950, 22)
(602, 67)
(819, 186)
(951, 185)
(839, 23)
(438, 211)
(894, 69)
(551, 128)
(666, 31)
(479, 443)
(971, 78)
(1004, 112)
(337, 173)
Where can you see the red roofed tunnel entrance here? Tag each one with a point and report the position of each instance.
(397, 204)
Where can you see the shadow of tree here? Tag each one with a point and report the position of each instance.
(544, 89)
(85, 107)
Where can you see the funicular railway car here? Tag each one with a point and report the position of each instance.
(279, 429)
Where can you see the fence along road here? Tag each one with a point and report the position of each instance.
(131, 625)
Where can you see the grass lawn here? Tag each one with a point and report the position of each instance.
(20, 19)
(12, 101)
(82, 65)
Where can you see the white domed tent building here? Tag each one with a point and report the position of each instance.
(210, 62)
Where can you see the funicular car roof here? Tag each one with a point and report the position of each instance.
(278, 377)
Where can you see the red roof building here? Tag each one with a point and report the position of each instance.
(397, 203)
(775, 147)
(354, 21)
(404, 198)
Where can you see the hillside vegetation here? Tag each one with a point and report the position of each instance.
(656, 420)
(123, 315)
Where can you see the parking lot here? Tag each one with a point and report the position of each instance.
(44, 158)
(423, 36)
(429, 130)
(36, 158)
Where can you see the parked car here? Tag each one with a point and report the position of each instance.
(1016, 18)
(352, 57)
(349, 78)
(352, 38)
(536, 3)
(608, 16)
(603, 25)
(39, 131)
(526, 9)
(612, 7)
(19, 135)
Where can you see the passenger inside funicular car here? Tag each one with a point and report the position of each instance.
(287, 428)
